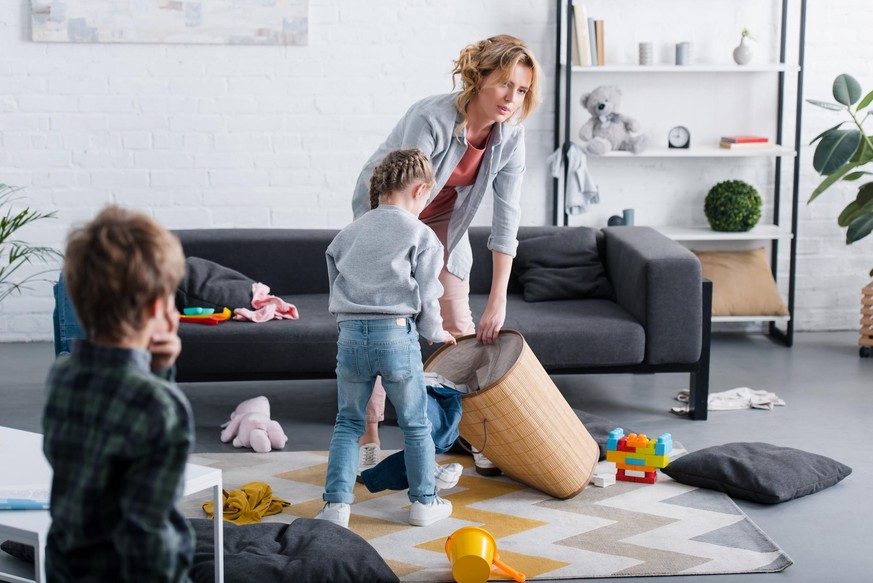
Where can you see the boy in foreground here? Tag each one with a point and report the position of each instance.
(117, 429)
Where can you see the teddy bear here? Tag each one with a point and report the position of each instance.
(250, 426)
(607, 129)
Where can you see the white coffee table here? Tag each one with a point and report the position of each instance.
(23, 464)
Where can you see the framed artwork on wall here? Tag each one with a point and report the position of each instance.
(244, 22)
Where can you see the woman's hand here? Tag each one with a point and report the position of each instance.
(495, 312)
(492, 320)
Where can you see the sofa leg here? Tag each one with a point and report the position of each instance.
(698, 399)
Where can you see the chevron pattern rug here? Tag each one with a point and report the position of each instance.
(624, 530)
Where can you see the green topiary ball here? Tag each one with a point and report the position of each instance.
(732, 206)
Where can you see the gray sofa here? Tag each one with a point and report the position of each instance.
(659, 320)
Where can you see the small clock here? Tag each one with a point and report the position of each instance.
(679, 137)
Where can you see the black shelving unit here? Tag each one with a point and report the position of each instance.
(563, 100)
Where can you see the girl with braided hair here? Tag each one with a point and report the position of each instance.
(475, 141)
(384, 290)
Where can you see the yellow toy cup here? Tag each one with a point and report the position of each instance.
(472, 552)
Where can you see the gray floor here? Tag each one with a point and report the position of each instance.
(827, 387)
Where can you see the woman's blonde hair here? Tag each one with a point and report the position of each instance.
(397, 171)
(498, 53)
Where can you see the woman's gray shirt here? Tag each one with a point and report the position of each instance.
(429, 125)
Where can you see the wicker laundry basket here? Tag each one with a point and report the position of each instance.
(516, 416)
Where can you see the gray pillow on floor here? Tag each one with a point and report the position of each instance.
(305, 551)
(759, 472)
(598, 428)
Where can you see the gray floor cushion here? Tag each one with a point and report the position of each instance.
(305, 551)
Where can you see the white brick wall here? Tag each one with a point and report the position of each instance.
(227, 136)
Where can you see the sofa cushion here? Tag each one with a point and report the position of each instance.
(207, 284)
(563, 265)
(759, 472)
(305, 551)
(242, 350)
(552, 330)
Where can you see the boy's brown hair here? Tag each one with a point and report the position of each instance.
(115, 266)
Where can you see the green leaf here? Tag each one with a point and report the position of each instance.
(865, 194)
(826, 104)
(834, 150)
(865, 102)
(830, 180)
(846, 89)
(821, 135)
(862, 205)
(856, 175)
(863, 154)
(859, 228)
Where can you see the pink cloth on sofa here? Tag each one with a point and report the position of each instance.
(266, 307)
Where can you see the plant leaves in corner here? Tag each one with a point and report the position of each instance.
(834, 150)
(846, 89)
(862, 205)
(825, 104)
(859, 228)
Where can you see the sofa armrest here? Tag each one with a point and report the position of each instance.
(659, 282)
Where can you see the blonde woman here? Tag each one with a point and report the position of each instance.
(475, 141)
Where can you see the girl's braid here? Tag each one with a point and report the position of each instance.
(399, 169)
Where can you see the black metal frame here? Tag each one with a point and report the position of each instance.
(561, 217)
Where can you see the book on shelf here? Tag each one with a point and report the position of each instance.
(598, 31)
(582, 44)
(24, 498)
(744, 139)
(592, 40)
(745, 145)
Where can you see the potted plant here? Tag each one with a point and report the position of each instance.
(15, 253)
(840, 155)
(732, 206)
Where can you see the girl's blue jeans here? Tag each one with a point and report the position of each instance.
(388, 348)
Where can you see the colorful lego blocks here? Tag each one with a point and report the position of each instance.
(638, 455)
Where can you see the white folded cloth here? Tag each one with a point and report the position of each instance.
(732, 400)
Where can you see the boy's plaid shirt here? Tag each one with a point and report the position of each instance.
(118, 437)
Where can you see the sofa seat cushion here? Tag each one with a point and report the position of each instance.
(303, 348)
(582, 332)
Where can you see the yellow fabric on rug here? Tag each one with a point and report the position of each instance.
(248, 504)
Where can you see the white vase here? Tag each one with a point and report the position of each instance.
(743, 53)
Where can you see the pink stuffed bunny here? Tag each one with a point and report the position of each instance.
(250, 426)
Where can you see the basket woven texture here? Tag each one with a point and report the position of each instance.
(517, 416)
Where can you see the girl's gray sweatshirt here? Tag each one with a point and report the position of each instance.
(387, 264)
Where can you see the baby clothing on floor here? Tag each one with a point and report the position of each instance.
(734, 399)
